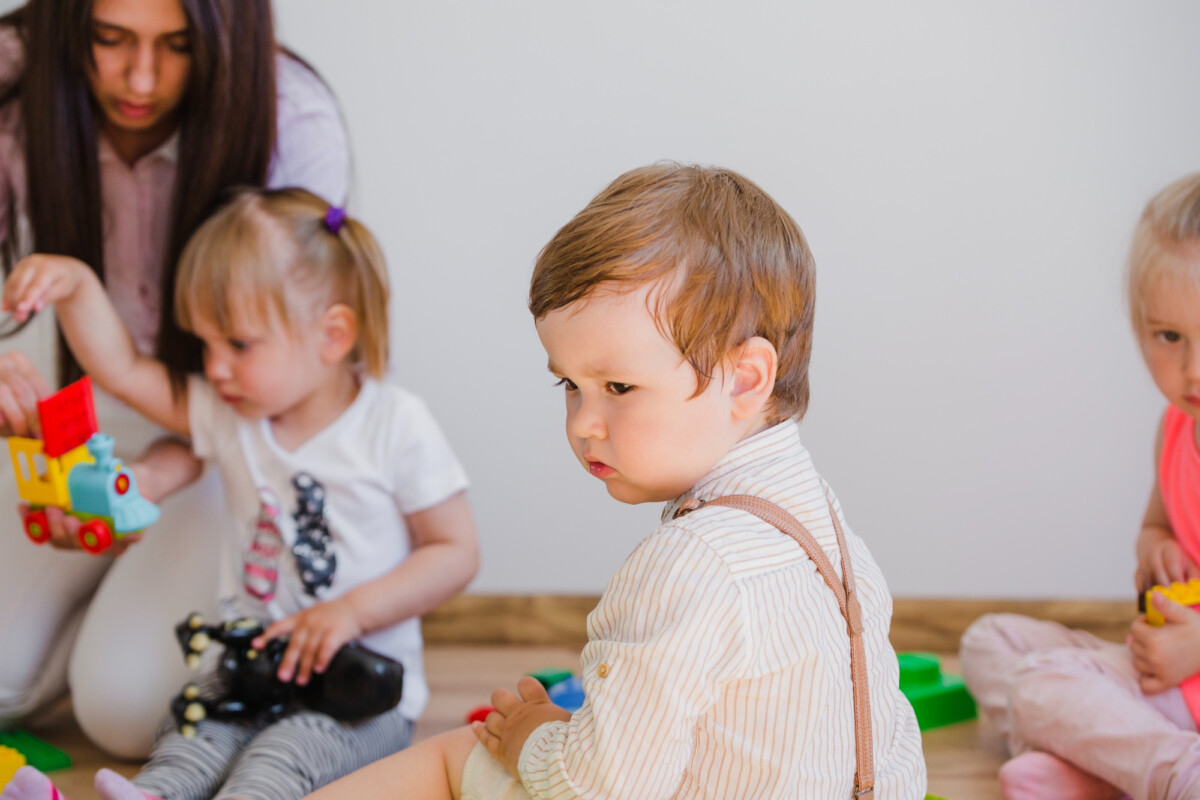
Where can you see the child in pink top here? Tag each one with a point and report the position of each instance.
(1086, 718)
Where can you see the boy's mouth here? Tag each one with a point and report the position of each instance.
(600, 469)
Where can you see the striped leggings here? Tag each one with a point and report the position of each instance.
(281, 760)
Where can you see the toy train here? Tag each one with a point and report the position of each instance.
(357, 684)
(72, 467)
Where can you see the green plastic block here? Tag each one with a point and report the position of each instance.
(42, 756)
(550, 676)
(937, 699)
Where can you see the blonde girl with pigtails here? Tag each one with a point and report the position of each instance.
(288, 296)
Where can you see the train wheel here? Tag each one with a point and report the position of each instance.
(37, 527)
(95, 536)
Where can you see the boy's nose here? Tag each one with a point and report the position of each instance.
(584, 421)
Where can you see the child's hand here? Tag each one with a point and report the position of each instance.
(40, 280)
(1162, 563)
(505, 730)
(1165, 656)
(317, 634)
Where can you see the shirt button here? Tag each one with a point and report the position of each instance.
(602, 671)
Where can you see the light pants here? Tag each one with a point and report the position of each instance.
(105, 625)
(1047, 687)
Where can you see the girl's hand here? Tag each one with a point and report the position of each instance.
(21, 386)
(505, 730)
(40, 280)
(317, 633)
(1164, 562)
(1164, 656)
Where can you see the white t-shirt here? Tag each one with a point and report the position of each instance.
(312, 524)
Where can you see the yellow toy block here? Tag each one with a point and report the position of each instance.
(1187, 594)
(10, 761)
(48, 487)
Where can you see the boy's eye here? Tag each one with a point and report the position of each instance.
(239, 345)
(1168, 336)
(618, 388)
(568, 385)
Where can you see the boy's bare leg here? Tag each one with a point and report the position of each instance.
(429, 770)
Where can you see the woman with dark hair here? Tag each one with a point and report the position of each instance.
(122, 125)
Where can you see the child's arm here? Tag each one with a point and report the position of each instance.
(444, 558)
(95, 334)
(167, 466)
(1160, 559)
(1166, 655)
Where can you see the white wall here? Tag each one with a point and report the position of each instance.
(967, 175)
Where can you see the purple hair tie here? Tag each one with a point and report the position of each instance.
(334, 218)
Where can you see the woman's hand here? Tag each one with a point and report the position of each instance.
(40, 280)
(64, 532)
(21, 386)
(317, 633)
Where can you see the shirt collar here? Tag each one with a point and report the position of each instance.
(750, 455)
(167, 152)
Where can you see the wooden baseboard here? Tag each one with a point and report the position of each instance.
(917, 623)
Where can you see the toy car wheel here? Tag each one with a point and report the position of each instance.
(95, 536)
(37, 527)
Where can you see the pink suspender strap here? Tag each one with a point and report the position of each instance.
(847, 599)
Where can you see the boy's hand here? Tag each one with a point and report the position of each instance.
(40, 280)
(1164, 562)
(505, 730)
(1164, 656)
(317, 633)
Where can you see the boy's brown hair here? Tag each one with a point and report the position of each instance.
(734, 265)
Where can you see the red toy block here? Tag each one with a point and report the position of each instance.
(68, 418)
(478, 714)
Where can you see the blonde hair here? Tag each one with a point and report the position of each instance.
(274, 248)
(1169, 226)
(736, 266)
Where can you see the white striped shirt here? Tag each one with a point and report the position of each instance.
(718, 664)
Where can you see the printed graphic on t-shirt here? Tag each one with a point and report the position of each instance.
(313, 548)
(260, 571)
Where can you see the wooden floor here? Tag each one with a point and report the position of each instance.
(962, 758)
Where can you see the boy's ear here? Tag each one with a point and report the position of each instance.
(339, 332)
(753, 364)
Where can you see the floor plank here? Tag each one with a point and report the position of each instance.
(962, 758)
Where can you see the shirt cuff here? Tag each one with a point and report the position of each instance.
(534, 765)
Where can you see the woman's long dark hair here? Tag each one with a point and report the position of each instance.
(226, 138)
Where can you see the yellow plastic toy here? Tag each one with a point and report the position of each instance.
(10, 762)
(1187, 594)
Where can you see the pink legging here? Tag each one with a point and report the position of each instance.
(1047, 687)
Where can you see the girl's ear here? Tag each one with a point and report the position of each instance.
(339, 333)
(753, 364)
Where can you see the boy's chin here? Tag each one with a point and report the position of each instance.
(633, 495)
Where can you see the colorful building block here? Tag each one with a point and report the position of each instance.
(38, 754)
(550, 676)
(10, 762)
(1187, 594)
(567, 694)
(937, 699)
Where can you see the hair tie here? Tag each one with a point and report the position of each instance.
(334, 219)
